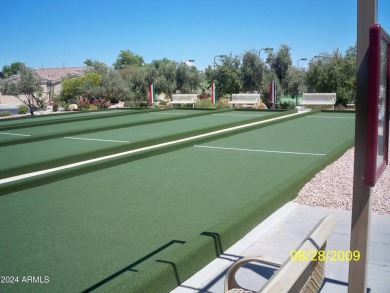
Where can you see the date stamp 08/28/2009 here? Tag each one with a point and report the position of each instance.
(325, 255)
(24, 280)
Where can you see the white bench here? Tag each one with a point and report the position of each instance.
(244, 99)
(304, 274)
(319, 99)
(188, 99)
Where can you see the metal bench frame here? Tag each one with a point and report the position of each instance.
(178, 99)
(292, 276)
(319, 99)
(244, 99)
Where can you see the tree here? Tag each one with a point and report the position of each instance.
(164, 72)
(99, 82)
(188, 79)
(280, 63)
(89, 62)
(13, 69)
(27, 84)
(268, 76)
(135, 79)
(126, 58)
(294, 81)
(88, 86)
(334, 73)
(113, 85)
(252, 70)
(226, 75)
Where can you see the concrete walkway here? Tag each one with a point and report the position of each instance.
(282, 232)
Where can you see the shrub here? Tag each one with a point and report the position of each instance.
(162, 103)
(204, 103)
(64, 105)
(135, 104)
(5, 114)
(261, 105)
(222, 103)
(83, 104)
(22, 109)
(130, 104)
(287, 105)
(101, 103)
(55, 107)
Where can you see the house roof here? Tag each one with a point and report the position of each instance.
(54, 74)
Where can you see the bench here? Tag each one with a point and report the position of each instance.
(319, 99)
(293, 275)
(188, 99)
(244, 99)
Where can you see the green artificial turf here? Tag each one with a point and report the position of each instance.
(30, 121)
(28, 157)
(148, 223)
(54, 129)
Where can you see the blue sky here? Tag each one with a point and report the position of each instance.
(53, 33)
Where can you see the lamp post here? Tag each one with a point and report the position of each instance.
(303, 59)
(187, 62)
(267, 50)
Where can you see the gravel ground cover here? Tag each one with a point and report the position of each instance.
(333, 186)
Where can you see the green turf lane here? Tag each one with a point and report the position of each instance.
(97, 124)
(28, 157)
(63, 116)
(335, 127)
(123, 226)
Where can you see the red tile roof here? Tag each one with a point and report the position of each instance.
(53, 74)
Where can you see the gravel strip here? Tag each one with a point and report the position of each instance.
(332, 187)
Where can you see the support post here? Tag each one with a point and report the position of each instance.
(361, 202)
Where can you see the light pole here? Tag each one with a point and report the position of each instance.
(267, 50)
(296, 101)
(303, 59)
(189, 61)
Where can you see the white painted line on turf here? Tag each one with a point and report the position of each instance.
(167, 113)
(7, 133)
(42, 172)
(95, 139)
(326, 117)
(258, 115)
(260, 151)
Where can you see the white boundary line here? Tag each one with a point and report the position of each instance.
(238, 115)
(37, 173)
(161, 113)
(7, 133)
(95, 139)
(326, 117)
(254, 150)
